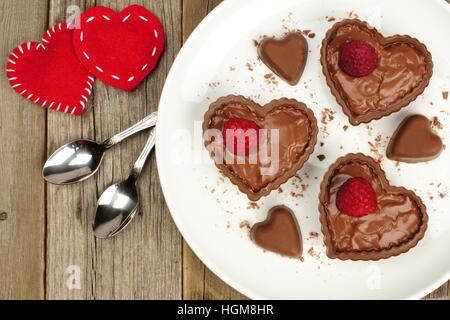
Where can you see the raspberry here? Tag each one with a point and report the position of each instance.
(358, 58)
(245, 135)
(356, 198)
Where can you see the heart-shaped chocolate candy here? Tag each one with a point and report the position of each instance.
(285, 57)
(403, 72)
(297, 130)
(414, 141)
(395, 227)
(279, 233)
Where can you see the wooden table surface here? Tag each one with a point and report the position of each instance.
(46, 238)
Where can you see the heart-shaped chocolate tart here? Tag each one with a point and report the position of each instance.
(397, 224)
(279, 233)
(286, 119)
(402, 72)
(285, 57)
(414, 141)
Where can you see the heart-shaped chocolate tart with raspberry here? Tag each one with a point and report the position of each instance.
(370, 75)
(279, 233)
(286, 57)
(259, 147)
(414, 141)
(363, 217)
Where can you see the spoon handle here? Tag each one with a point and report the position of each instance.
(148, 122)
(140, 162)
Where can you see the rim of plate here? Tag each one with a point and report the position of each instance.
(216, 269)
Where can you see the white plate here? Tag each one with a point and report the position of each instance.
(208, 209)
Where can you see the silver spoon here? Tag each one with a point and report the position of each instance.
(78, 160)
(118, 204)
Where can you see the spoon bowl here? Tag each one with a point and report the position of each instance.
(73, 162)
(116, 208)
(119, 203)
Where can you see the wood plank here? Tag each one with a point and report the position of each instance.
(69, 208)
(22, 199)
(442, 293)
(144, 262)
(198, 281)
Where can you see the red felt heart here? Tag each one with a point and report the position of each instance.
(49, 73)
(119, 49)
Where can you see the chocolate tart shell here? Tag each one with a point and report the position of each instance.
(384, 41)
(261, 111)
(367, 254)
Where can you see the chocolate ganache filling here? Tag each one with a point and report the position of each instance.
(403, 71)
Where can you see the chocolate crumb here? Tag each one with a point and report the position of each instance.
(321, 157)
(280, 190)
(311, 35)
(255, 43)
(442, 195)
(345, 128)
(322, 144)
(352, 15)
(253, 205)
(436, 123)
(445, 95)
(270, 79)
(249, 66)
(327, 115)
(313, 235)
(331, 19)
(245, 224)
(375, 147)
(3, 216)
(214, 84)
(313, 253)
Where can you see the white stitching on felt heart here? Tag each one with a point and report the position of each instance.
(87, 56)
(126, 18)
(30, 95)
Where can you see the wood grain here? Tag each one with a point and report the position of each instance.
(144, 262)
(45, 230)
(22, 196)
(198, 281)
